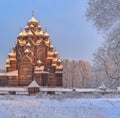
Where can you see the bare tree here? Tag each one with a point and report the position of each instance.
(104, 14)
(76, 73)
(108, 60)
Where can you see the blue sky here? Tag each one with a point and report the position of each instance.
(70, 33)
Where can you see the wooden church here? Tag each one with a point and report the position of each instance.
(33, 58)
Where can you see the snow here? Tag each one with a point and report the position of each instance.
(56, 89)
(13, 89)
(33, 84)
(36, 107)
(11, 73)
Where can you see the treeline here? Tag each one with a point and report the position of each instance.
(83, 74)
(76, 74)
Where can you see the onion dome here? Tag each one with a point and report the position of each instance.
(46, 35)
(28, 44)
(39, 33)
(51, 47)
(24, 33)
(39, 27)
(26, 27)
(33, 21)
(7, 61)
(59, 61)
(12, 54)
(29, 34)
(20, 35)
(50, 55)
(32, 26)
(54, 61)
(59, 67)
(22, 42)
(55, 53)
(47, 42)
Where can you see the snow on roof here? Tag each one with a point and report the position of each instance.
(102, 86)
(55, 89)
(11, 73)
(33, 84)
(41, 72)
(59, 72)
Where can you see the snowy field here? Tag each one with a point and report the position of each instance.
(35, 107)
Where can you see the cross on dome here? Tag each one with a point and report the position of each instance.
(32, 13)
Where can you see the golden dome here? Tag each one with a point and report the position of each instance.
(46, 35)
(26, 27)
(22, 42)
(12, 54)
(29, 34)
(50, 55)
(47, 42)
(39, 33)
(7, 61)
(54, 60)
(51, 47)
(20, 35)
(59, 61)
(59, 67)
(56, 53)
(31, 26)
(33, 21)
(24, 33)
(39, 27)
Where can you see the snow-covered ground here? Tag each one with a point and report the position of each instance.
(36, 107)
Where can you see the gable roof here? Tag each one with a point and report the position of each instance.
(33, 84)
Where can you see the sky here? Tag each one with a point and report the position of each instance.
(70, 33)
